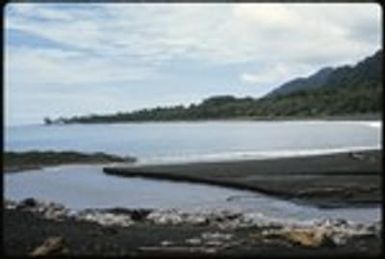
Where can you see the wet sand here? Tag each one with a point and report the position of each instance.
(334, 180)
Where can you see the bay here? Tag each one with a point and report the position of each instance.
(197, 141)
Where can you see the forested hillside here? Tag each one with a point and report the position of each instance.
(345, 90)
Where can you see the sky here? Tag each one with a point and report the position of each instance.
(67, 59)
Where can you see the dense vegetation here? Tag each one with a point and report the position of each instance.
(17, 161)
(344, 90)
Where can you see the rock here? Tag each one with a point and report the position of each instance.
(135, 214)
(375, 228)
(27, 203)
(140, 214)
(51, 246)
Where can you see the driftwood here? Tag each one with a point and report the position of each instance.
(51, 246)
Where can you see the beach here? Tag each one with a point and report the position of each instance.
(341, 179)
(30, 234)
(349, 179)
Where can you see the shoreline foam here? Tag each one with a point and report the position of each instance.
(251, 155)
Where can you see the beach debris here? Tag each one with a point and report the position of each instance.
(48, 210)
(166, 243)
(210, 239)
(222, 219)
(193, 241)
(196, 219)
(303, 237)
(105, 218)
(216, 239)
(168, 217)
(357, 156)
(216, 236)
(51, 246)
(323, 233)
(54, 211)
(8, 204)
(312, 233)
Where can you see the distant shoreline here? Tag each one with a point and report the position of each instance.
(353, 117)
(357, 117)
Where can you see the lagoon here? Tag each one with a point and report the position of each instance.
(80, 187)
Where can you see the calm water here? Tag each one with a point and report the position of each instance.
(81, 187)
(87, 187)
(178, 141)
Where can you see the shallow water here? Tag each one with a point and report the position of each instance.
(80, 187)
(87, 187)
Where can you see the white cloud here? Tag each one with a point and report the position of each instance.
(274, 75)
(25, 66)
(215, 33)
(109, 43)
(268, 15)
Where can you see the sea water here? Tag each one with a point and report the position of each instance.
(200, 141)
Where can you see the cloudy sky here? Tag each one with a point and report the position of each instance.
(71, 59)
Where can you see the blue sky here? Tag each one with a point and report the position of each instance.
(70, 59)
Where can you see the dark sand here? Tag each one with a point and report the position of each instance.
(24, 231)
(323, 180)
(34, 160)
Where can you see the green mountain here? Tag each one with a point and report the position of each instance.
(366, 73)
(346, 90)
(314, 81)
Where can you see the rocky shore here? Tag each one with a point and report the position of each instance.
(34, 228)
